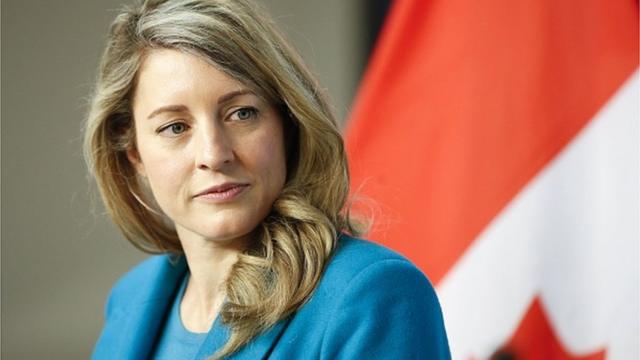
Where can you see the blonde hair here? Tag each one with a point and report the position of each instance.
(294, 242)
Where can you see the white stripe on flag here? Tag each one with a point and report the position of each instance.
(571, 237)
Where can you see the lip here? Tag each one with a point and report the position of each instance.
(223, 192)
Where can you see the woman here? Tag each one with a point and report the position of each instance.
(213, 146)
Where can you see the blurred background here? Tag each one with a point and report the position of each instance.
(60, 252)
(498, 142)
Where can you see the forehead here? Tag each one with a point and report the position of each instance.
(168, 72)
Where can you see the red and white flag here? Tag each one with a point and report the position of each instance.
(500, 142)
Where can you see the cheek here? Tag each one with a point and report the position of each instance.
(165, 175)
(270, 161)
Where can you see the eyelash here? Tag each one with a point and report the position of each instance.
(253, 113)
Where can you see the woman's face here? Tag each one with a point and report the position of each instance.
(211, 150)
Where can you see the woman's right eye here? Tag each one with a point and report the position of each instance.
(174, 129)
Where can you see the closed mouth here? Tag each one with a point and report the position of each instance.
(223, 192)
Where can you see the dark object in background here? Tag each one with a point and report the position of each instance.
(503, 354)
(376, 11)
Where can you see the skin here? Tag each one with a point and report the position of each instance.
(196, 127)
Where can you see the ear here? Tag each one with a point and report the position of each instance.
(134, 159)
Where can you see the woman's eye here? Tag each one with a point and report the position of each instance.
(244, 113)
(174, 129)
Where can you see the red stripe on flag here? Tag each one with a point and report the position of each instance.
(465, 101)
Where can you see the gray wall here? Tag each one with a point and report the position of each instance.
(60, 253)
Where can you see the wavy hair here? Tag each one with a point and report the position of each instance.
(294, 242)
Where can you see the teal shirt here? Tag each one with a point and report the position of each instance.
(371, 303)
(176, 342)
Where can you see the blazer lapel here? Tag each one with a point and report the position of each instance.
(145, 318)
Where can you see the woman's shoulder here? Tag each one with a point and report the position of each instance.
(371, 302)
(372, 274)
(356, 258)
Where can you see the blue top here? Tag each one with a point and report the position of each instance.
(371, 303)
(176, 342)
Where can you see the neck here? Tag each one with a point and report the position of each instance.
(210, 263)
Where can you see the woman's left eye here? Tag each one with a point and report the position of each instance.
(245, 113)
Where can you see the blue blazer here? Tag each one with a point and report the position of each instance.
(371, 303)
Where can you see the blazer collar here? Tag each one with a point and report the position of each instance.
(146, 317)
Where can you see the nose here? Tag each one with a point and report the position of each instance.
(214, 148)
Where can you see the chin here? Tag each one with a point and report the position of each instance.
(221, 232)
(218, 226)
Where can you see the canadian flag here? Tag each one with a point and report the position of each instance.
(498, 142)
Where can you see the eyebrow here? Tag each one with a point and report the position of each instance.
(229, 96)
(168, 108)
(182, 108)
